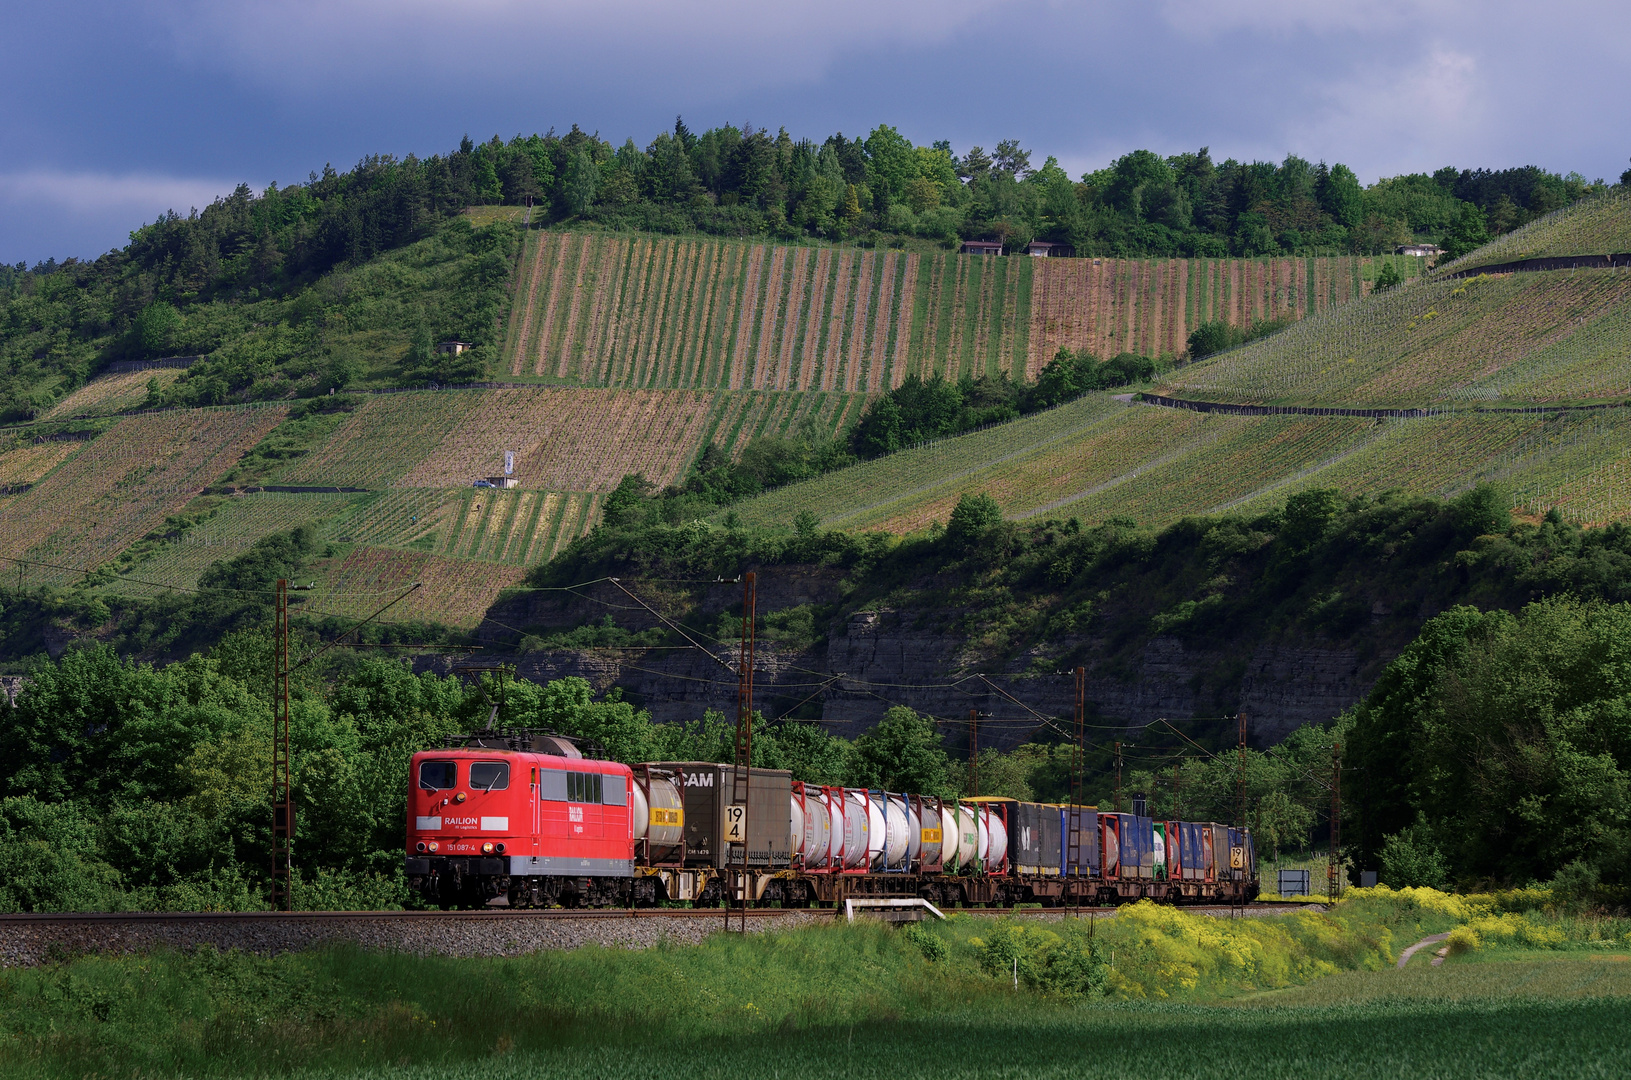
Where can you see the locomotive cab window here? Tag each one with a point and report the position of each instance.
(489, 775)
(438, 775)
(583, 787)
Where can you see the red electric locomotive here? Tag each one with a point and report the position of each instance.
(528, 818)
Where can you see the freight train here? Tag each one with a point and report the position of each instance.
(529, 821)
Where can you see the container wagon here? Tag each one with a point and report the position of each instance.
(528, 821)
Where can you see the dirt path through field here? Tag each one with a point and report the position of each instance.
(1431, 939)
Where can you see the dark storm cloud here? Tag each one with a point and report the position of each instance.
(116, 112)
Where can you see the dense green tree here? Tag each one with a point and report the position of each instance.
(1509, 737)
(580, 184)
(904, 753)
(1340, 195)
(1468, 233)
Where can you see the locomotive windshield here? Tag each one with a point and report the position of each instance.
(489, 775)
(437, 775)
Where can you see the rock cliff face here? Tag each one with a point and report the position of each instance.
(873, 659)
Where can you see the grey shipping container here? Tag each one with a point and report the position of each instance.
(1087, 854)
(769, 814)
(1035, 847)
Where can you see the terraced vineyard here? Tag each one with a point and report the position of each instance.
(564, 438)
(106, 395)
(124, 483)
(384, 438)
(874, 490)
(27, 464)
(568, 439)
(453, 591)
(1515, 338)
(710, 314)
(1158, 465)
(1599, 225)
(675, 343)
(516, 527)
(232, 531)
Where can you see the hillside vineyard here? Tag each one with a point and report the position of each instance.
(647, 350)
(634, 311)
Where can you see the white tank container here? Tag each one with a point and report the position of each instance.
(877, 831)
(835, 829)
(997, 847)
(666, 797)
(980, 814)
(914, 831)
(950, 835)
(929, 850)
(968, 835)
(816, 831)
(796, 819)
(856, 830)
(897, 833)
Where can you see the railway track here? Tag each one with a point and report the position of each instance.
(32, 939)
(501, 916)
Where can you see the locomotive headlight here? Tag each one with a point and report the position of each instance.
(419, 846)
(499, 848)
(433, 845)
(487, 849)
(459, 797)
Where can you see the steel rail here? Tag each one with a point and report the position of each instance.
(266, 917)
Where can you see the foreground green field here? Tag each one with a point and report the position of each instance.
(1312, 994)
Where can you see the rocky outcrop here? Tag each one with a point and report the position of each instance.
(873, 659)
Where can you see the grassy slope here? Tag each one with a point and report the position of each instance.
(1512, 340)
(1302, 995)
(1094, 461)
(1595, 226)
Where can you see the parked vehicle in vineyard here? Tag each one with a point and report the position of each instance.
(527, 820)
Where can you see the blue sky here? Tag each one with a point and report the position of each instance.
(111, 113)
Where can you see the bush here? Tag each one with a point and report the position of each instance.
(971, 518)
(1065, 963)
(933, 949)
(1410, 858)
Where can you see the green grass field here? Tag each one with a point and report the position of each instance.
(1304, 995)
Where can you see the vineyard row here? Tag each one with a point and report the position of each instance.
(641, 312)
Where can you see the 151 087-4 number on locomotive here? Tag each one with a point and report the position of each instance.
(529, 821)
